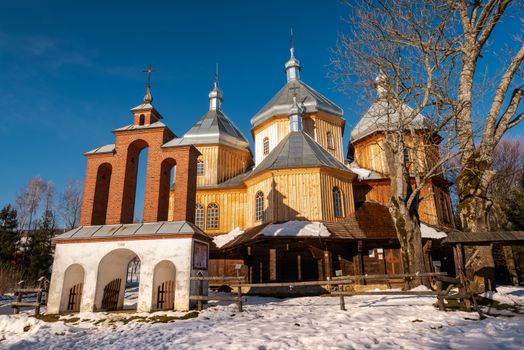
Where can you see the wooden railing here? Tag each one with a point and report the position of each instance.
(41, 296)
(340, 281)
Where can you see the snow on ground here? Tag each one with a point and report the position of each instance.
(296, 229)
(430, 232)
(389, 322)
(222, 240)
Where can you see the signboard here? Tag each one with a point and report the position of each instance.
(200, 255)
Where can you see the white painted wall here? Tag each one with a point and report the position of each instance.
(101, 269)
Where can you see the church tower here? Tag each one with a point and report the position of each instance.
(322, 119)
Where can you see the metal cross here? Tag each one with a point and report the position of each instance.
(149, 71)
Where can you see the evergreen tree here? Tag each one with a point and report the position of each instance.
(8, 233)
(516, 207)
(39, 257)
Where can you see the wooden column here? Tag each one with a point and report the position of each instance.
(327, 265)
(357, 259)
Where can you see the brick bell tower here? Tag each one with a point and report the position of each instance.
(111, 174)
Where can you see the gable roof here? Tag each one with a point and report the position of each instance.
(311, 101)
(381, 117)
(214, 127)
(298, 150)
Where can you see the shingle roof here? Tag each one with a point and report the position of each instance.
(298, 150)
(381, 117)
(214, 127)
(310, 100)
(484, 237)
(370, 221)
(131, 230)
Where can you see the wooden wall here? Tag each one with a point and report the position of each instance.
(328, 180)
(315, 125)
(222, 163)
(289, 194)
(232, 208)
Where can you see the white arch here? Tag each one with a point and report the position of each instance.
(111, 267)
(73, 284)
(164, 277)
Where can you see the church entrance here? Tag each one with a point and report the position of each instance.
(118, 281)
(298, 265)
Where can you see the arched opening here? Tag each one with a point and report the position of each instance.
(199, 215)
(166, 199)
(100, 200)
(299, 265)
(265, 145)
(259, 206)
(115, 290)
(133, 195)
(164, 286)
(338, 209)
(212, 216)
(141, 119)
(72, 289)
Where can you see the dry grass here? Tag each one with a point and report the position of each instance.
(10, 275)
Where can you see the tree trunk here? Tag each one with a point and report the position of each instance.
(408, 232)
(474, 206)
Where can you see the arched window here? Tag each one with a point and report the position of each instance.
(329, 138)
(259, 206)
(265, 143)
(337, 202)
(212, 216)
(200, 166)
(141, 119)
(199, 215)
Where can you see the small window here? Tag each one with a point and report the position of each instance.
(200, 167)
(141, 120)
(259, 206)
(444, 209)
(337, 202)
(266, 146)
(329, 138)
(199, 215)
(212, 216)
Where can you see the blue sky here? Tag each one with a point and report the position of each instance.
(70, 71)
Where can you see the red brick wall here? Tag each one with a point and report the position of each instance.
(122, 188)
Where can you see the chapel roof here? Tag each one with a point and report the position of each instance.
(298, 150)
(309, 98)
(382, 117)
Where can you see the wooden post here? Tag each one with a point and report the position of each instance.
(38, 302)
(239, 292)
(460, 269)
(357, 260)
(201, 293)
(16, 310)
(342, 301)
(440, 296)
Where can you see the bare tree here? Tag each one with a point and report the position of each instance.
(28, 201)
(70, 204)
(463, 29)
(402, 44)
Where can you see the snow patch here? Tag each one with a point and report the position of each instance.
(296, 229)
(361, 172)
(430, 232)
(222, 240)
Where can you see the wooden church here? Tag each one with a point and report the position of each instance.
(298, 208)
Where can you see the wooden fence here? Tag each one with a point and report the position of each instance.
(41, 296)
(340, 281)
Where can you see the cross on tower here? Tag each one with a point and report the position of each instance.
(149, 71)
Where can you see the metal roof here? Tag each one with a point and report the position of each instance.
(131, 230)
(297, 150)
(102, 149)
(381, 117)
(310, 100)
(136, 127)
(214, 127)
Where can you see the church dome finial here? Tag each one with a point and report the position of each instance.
(215, 96)
(293, 65)
(148, 98)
